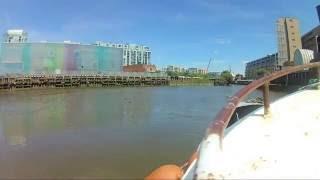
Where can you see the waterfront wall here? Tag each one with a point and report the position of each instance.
(56, 58)
(114, 79)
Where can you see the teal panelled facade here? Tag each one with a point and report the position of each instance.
(30, 58)
(26, 58)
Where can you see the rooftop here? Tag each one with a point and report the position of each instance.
(15, 31)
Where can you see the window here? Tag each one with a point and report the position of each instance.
(293, 39)
(139, 57)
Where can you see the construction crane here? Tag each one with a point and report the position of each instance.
(209, 65)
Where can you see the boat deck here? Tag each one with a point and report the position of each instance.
(284, 144)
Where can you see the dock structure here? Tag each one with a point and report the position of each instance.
(86, 80)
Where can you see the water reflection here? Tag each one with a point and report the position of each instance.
(111, 133)
(27, 113)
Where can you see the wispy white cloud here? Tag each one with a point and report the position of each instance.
(218, 61)
(264, 35)
(76, 28)
(200, 64)
(230, 9)
(42, 35)
(85, 25)
(245, 62)
(204, 64)
(5, 19)
(222, 41)
(177, 17)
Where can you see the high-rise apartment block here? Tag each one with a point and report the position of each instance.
(15, 36)
(132, 53)
(267, 64)
(289, 39)
(311, 40)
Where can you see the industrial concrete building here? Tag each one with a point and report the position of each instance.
(15, 36)
(132, 53)
(311, 41)
(289, 39)
(267, 64)
(292, 50)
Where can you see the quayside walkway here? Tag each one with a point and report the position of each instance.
(77, 80)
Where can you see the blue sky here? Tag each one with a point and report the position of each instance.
(180, 32)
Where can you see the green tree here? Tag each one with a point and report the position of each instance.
(261, 72)
(172, 74)
(227, 77)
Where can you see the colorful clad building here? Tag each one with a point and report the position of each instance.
(56, 58)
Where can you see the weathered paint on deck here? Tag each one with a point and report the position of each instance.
(284, 144)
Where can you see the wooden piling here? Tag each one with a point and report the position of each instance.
(77, 80)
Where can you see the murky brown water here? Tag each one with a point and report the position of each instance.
(109, 133)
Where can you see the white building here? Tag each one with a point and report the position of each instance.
(171, 68)
(15, 36)
(303, 56)
(132, 53)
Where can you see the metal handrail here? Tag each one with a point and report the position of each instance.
(212, 144)
(222, 119)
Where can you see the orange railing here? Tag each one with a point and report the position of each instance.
(221, 121)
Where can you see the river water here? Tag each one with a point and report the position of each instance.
(103, 132)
